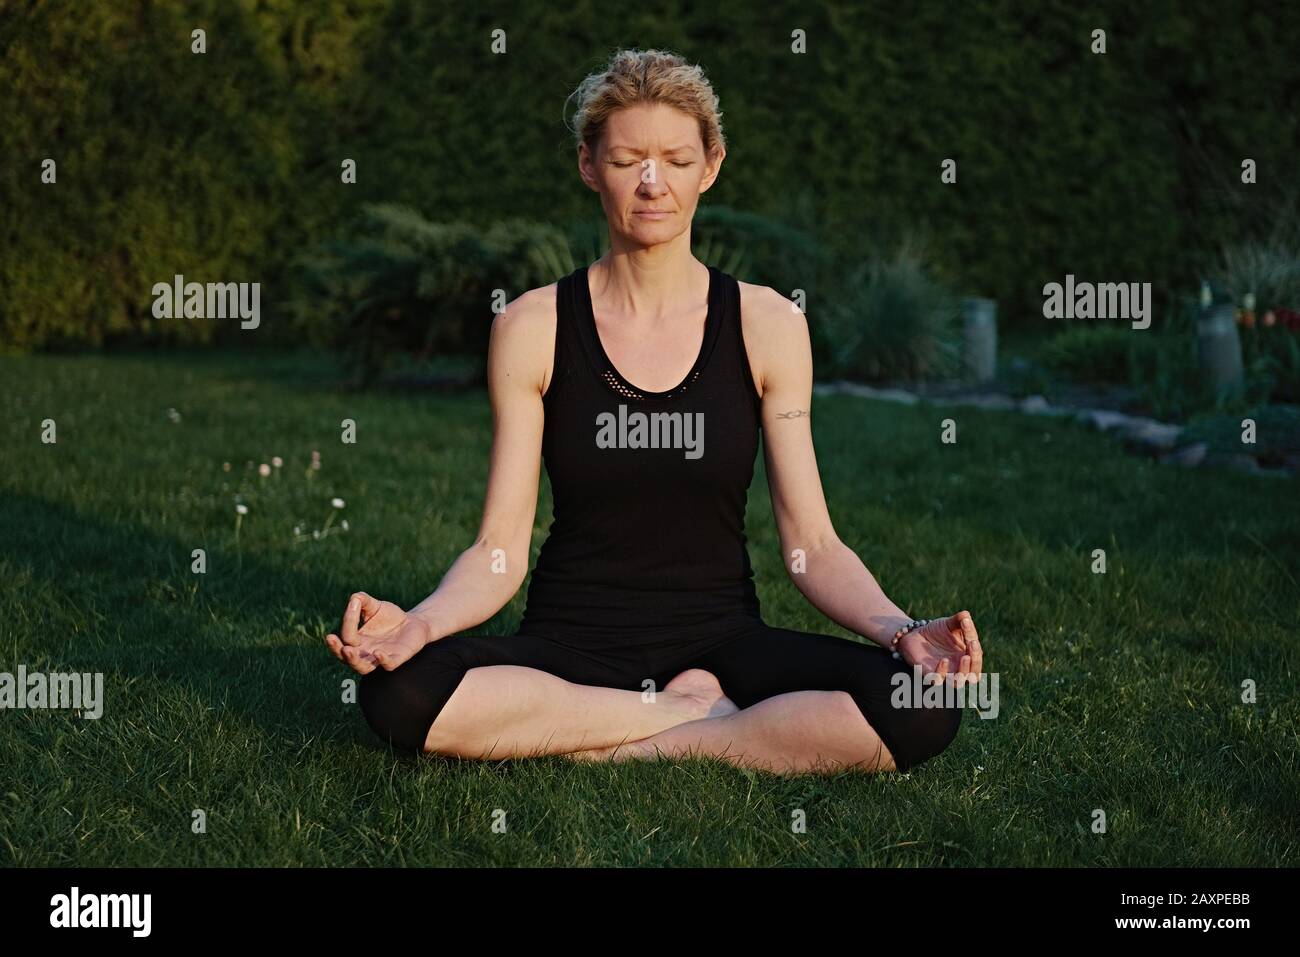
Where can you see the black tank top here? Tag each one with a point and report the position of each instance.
(647, 543)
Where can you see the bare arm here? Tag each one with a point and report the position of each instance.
(486, 575)
(379, 634)
(827, 572)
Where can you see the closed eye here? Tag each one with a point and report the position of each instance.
(624, 165)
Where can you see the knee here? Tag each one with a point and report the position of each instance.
(925, 734)
(398, 707)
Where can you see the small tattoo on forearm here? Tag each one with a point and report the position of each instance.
(793, 414)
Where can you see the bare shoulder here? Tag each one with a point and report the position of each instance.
(775, 331)
(530, 311)
(523, 337)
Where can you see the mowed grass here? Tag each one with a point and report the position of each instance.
(1118, 691)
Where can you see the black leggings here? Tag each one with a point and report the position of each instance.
(752, 663)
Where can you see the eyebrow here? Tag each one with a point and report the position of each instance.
(668, 152)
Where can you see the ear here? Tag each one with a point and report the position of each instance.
(587, 167)
(712, 167)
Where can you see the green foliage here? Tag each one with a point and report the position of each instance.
(891, 320)
(1171, 383)
(1096, 353)
(223, 165)
(1277, 432)
(405, 284)
(1166, 367)
(1024, 377)
(401, 284)
(1269, 272)
(756, 248)
(1163, 366)
(1272, 358)
(167, 161)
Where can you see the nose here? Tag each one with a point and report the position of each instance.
(649, 190)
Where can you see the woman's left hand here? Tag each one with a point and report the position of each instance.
(945, 647)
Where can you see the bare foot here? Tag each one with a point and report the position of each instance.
(701, 696)
(700, 687)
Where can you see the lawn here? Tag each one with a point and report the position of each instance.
(1119, 691)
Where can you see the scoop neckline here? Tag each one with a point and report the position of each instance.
(607, 364)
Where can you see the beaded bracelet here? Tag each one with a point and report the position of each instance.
(911, 625)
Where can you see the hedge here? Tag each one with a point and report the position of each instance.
(222, 166)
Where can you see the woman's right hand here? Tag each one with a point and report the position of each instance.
(387, 636)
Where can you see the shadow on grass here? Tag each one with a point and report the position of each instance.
(114, 598)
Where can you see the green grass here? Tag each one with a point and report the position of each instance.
(1119, 691)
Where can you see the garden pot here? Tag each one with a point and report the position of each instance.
(979, 339)
(1219, 347)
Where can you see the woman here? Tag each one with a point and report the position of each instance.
(643, 380)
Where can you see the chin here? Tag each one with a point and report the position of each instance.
(660, 230)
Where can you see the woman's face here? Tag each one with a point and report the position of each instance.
(649, 168)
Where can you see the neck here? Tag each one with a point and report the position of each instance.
(649, 282)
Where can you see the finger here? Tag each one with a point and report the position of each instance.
(362, 665)
(956, 628)
(941, 672)
(964, 675)
(976, 651)
(351, 615)
(385, 660)
(335, 646)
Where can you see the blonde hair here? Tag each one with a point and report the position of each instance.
(646, 76)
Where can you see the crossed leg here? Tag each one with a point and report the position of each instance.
(790, 733)
(808, 702)
(493, 697)
(794, 702)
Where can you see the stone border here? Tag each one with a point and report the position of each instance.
(1141, 435)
